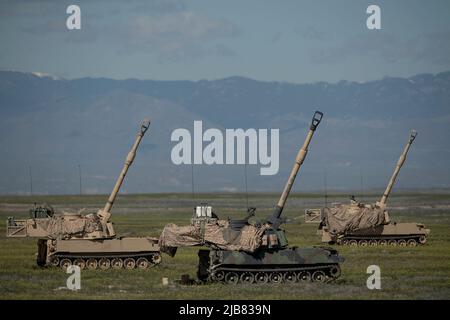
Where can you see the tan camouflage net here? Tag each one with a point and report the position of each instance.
(64, 227)
(217, 234)
(348, 218)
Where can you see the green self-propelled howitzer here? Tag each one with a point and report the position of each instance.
(239, 251)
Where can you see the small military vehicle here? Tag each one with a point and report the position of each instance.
(241, 252)
(88, 241)
(370, 224)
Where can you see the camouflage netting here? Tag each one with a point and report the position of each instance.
(217, 234)
(348, 218)
(62, 227)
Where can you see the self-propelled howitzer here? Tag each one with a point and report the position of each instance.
(370, 224)
(88, 241)
(253, 253)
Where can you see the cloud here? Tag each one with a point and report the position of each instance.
(165, 29)
(158, 6)
(311, 33)
(177, 36)
(29, 9)
(431, 47)
(276, 37)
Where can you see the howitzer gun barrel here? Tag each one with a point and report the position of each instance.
(128, 161)
(301, 155)
(399, 165)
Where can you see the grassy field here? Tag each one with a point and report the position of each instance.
(417, 273)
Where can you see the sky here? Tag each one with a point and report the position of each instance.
(289, 41)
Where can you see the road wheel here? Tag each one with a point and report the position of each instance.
(373, 243)
(91, 264)
(218, 275)
(156, 259)
(344, 242)
(261, 277)
(65, 263)
(104, 263)
(412, 242)
(231, 278)
(402, 243)
(304, 276)
(275, 277)
(423, 239)
(80, 262)
(319, 276)
(335, 271)
(129, 263)
(142, 263)
(363, 243)
(247, 277)
(382, 242)
(289, 277)
(54, 261)
(392, 243)
(117, 263)
(353, 243)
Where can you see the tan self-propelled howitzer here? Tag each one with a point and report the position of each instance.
(370, 224)
(88, 241)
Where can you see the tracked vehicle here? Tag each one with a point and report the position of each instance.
(88, 241)
(369, 224)
(241, 252)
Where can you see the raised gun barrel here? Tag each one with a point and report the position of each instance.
(128, 161)
(274, 219)
(105, 213)
(400, 162)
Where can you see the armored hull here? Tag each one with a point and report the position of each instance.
(402, 234)
(283, 265)
(127, 252)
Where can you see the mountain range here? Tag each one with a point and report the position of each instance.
(52, 129)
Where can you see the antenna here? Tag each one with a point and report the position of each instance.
(246, 189)
(79, 173)
(361, 183)
(31, 181)
(325, 185)
(192, 181)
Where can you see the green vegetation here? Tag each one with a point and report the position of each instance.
(418, 273)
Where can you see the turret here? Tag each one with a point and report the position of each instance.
(105, 214)
(400, 162)
(275, 219)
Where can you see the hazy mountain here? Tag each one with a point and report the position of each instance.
(53, 125)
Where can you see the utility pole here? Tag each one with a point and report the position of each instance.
(31, 181)
(246, 187)
(192, 181)
(325, 185)
(79, 173)
(362, 183)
